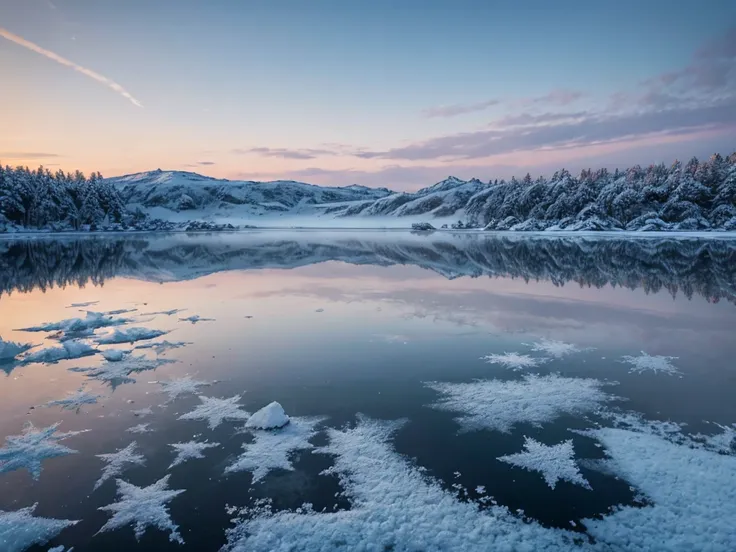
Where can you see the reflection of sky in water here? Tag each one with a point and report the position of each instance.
(382, 331)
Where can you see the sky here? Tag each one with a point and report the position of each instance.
(379, 93)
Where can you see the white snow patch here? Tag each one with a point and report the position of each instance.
(190, 450)
(514, 361)
(69, 350)
(29, 449)
(140, 428)
(499, 405)
(216, 411)
(118, 461)
(75, 400)
(20, 530)
(556, 462)
(144, 507)
(177, 387)
(554, 348)
(656, 364)
(271, 416)
(115, 355)
(118, 372)
(160, 347)
(271, 449)
(130, 335)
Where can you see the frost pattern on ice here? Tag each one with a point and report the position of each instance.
(499, 405)
(29, 449)
(68, 350)
(177, 387)
(143, 507)
(556, 462)
(140, 428)
(75, 400)
(272, 449)
(119, 461)
(724, 442)
(514, 361)
(656, 364)
(190, 450)
(196, 318)
(271, 416)
(130, 335)
(160, 347)
(554, 348)
(393, 507)
(216, 411)
(92, 321)
(118, 372)
(20, 530)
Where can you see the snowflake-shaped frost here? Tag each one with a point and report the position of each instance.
(29, 449)
(514, 361)
(646, 363)
(554, 348)
(174, 388)
(20, 530)
(216, 411)
(140, 428)
(118, 461)
(75, 400)
(190, 451)
(160, 347)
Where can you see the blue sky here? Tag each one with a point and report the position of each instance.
(397, 94)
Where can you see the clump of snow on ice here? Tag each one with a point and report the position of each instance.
(143, 507)
(499, 405)
(196, 318)
(130, 335)
(271, 416)
(29, 449)
(216, 411)
(20, 530)
(723, 442)
(556, 462)
(393, 507)
(190, 450)
(115, 355)
(140, 428)
(554, 348)
(69, 350)
(177, 387)
(160, 347)
(272, 449)
(75, 400)
(119, 461)
(646, 363)
(514, 361)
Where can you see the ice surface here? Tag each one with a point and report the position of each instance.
(272, 449)
(160, 347)
(196, 318)
(130, 335)
(29, 449)
(393, 507)
(20, 530)
(514, 361)
(68, 350)
(499, 405)
(177, 387)
(271, 416)
(140, 428)
(556, 349)
(556, 462)
(216, 411)
(75, 400)
(115, 355)
(190, 450)
(143, 507)
(119, 461)
(656, 364)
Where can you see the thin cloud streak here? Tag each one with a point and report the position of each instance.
(20, 41)
(26, 155)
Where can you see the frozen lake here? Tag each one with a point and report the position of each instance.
(446, 392)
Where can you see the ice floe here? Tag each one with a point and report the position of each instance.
(177, 387)
(75, 400)
(20, 530)
(393, 507)
(69, 350)
(271, 416)
(514, 361)
(555, 462)
(160, 347)
(80, 305)
(272, 449)
(500, 405)
(190, 450)
(130, 335)
(9, 351)
(554, 348)
(646, 363)
(143, 507)
(215, 411)
(196, 318)
(140, 428)
(29, 449)
(119, 461)
(79, 327)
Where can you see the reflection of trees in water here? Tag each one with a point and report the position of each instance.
(688, 266)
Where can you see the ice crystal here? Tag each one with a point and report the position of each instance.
(190, 451)
(556, 349)
(272, 449)
(514, 361)
(143, 507)
(29, 449)
(556, 462)
(119, 461)
(499, 405)
(216, 411)
(656, 364)
(130, 335)
(175, 388)
(75, 400)
(20, 530)
(140, 428)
